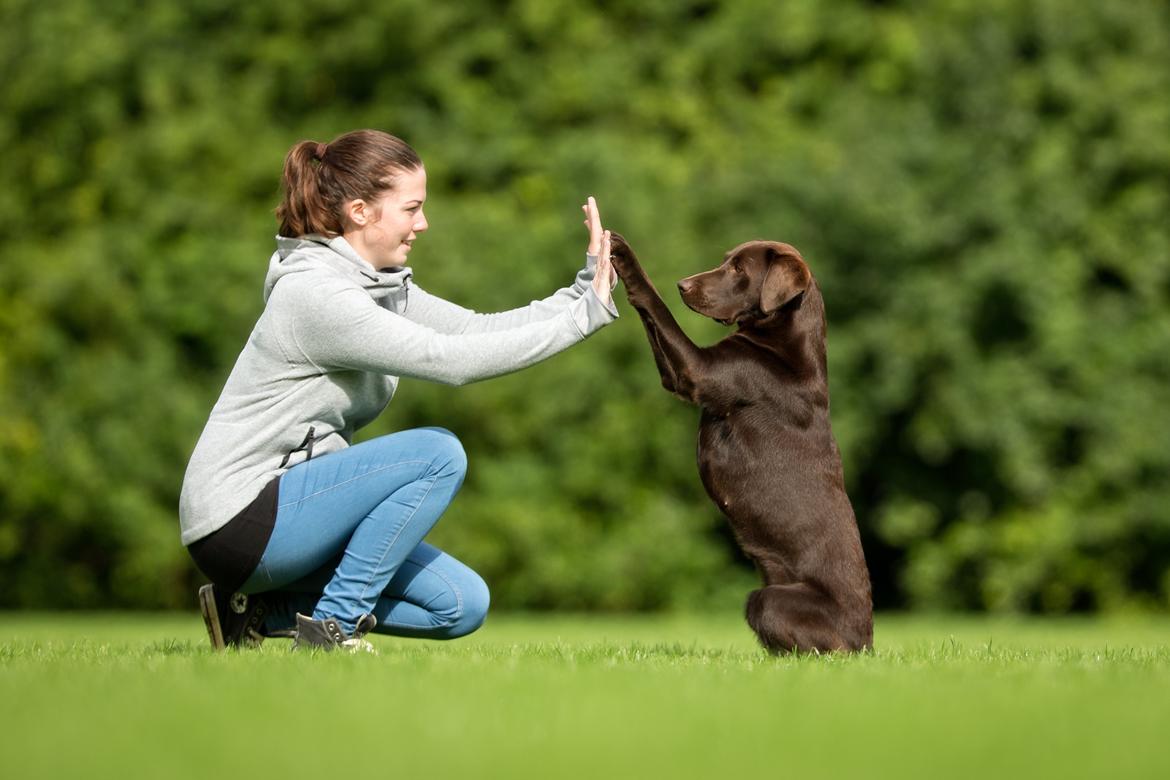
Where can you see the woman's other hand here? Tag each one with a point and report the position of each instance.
(593, 225)
(599, 247)
(603, 278)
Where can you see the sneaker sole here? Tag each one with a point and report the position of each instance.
(211, 617)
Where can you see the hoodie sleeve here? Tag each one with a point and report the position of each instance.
(447, 317)
(337, 326)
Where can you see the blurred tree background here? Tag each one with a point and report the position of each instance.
(981, 186)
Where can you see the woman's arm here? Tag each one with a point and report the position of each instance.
(447, 317)
(336, 326)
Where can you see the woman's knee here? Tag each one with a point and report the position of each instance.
(445, 449)
(474, 600)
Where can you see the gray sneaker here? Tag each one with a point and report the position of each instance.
(232, 621)
(328, 634)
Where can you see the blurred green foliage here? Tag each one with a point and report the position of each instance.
(982, 188)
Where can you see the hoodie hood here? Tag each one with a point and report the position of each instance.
(294, 255)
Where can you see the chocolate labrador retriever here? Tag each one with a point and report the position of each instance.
(767, 456)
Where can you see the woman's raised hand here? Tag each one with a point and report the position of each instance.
(599, 246)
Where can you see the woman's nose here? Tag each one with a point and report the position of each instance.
(421, 224)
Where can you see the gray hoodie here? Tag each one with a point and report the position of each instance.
(325, 356)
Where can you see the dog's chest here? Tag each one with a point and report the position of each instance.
(744, 461)
(720, 455)
(717, 435)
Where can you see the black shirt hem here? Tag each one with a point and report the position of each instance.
(229, 555)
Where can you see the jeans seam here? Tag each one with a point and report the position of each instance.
(444, 622)
(378, 470)
(401, 527)
(458, 600)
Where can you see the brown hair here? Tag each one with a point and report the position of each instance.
(320, 178)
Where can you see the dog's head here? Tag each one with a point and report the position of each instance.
(755, 280)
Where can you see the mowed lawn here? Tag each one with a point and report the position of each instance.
(131, 695)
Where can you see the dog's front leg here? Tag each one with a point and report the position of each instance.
(678, 359)
(665, 370)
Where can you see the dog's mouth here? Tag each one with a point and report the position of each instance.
(732, 320)
(740, 317)
(699, 306)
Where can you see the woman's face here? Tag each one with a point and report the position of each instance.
(393, 222)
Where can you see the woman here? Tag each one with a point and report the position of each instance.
(300, 533)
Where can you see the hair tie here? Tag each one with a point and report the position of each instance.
(319, 152)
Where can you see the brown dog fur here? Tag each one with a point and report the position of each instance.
(767, 455)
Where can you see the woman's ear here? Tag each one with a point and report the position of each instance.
(357, 212)
(787, 277)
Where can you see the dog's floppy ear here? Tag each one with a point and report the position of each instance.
(787, 277)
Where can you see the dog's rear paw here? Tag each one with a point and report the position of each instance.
(788, 618)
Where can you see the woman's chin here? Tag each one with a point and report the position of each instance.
(395, 260)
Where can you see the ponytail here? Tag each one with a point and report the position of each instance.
(305, 209)
(319, 179)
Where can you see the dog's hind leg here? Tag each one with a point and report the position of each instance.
(795, 617)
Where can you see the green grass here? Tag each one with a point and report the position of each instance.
(127, 695)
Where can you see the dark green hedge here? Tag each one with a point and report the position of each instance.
(982, 188)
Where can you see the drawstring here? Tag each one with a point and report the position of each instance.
(306, 445)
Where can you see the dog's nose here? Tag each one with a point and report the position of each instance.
(685, 285)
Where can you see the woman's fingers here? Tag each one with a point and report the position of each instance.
(594, 216)
(593, 222)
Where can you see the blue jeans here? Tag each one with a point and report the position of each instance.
(348, 540)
